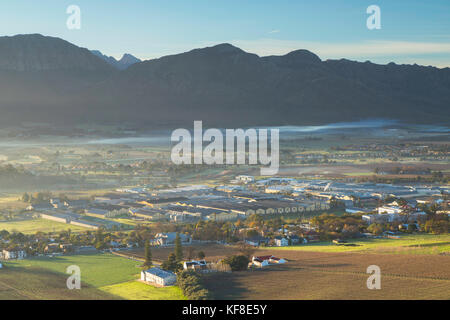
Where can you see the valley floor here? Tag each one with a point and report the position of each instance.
(414, 267)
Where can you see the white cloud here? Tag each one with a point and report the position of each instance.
(274, 31)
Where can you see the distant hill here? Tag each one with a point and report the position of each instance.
(49, 79)
(126, 60)
(35, 53)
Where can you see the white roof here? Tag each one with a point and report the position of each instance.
(160, 273)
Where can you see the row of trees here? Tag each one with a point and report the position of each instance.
(331, 226)
(349, 226)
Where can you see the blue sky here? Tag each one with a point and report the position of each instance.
(411, 31)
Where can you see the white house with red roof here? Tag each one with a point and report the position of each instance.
(264, 261)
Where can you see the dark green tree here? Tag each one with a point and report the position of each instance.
(100, 240)
(178, 248)
(201, 255)
(148, 255)
(171, 264)
(26, 197)
(237, 263)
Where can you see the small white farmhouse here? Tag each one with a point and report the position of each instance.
(159, 277)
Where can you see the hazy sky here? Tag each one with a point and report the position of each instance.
(411, 31)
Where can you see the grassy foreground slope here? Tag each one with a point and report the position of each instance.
(97, 270)
(134, 290)
(103, 276)
(19, 283)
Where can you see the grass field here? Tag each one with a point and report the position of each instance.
(25, 283)
(103, 276)
(134, 290)
(320, 275)
(32, 226)
(327, 272)
(408, 244)
(97, 270)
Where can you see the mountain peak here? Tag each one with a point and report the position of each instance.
(226, 47)
(222, 48)
(35, 52)
(126, 60)
(304, 56)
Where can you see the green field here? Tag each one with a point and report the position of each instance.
(408, 244)
(32, 283)
(32, 226)
(97, 270)
(134, 290)
(103, 276)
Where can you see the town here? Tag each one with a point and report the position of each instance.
(246, 214)
(141, 227)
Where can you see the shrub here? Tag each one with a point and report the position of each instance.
(191, 285)
(237, 263)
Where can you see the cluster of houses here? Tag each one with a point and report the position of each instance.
(162, 278)
(282, 241)
(168, 239)
(305, 234)
(13, 254)
(394, 212)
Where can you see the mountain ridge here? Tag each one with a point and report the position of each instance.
(222, 85)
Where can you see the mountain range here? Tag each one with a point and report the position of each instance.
(46, 79)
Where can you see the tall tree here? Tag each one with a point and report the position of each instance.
(201, 255)
(171, 264)
(99, 240)
(178, 248)
(190, 253)
(148, 255)
(26, 197)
